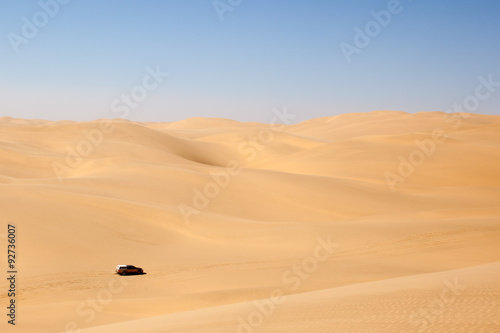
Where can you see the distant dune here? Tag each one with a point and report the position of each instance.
(366, 222)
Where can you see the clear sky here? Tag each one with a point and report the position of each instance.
(80, 59)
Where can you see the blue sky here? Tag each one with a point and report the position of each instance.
(264, 54)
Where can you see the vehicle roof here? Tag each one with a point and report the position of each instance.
(127, 266)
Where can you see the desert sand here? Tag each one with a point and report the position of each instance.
(367, 222)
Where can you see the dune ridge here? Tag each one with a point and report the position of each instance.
(221, 214)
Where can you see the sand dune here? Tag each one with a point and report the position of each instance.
(368, 222)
